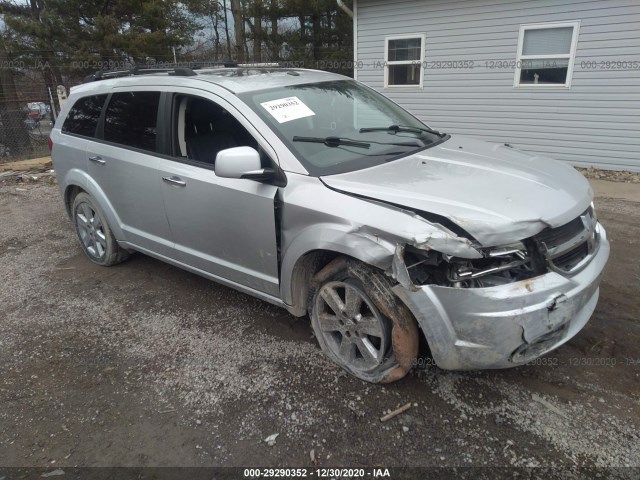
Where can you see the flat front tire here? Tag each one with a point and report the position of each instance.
(360, 324)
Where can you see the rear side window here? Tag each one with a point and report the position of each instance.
(83, 116)
(131, 119)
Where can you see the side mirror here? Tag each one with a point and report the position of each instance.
(244, 162)
(237, 162)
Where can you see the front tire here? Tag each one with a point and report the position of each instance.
(94, 233)
(360, 324)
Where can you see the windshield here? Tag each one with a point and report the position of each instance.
(340, 126)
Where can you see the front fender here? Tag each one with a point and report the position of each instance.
(359, 243)
(314, 217)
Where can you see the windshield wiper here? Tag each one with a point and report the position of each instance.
(402, 128)
(333, 141)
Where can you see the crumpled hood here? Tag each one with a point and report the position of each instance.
(496, 193)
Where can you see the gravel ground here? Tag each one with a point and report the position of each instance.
(143, 364)
(610, 175)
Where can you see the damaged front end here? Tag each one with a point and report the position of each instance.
(511, 303)
(499, 266)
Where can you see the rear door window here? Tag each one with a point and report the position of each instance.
(83, 116)
(131, 119)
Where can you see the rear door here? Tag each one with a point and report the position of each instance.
(225, 227)
(124, 164)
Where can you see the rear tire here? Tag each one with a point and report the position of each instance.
(360, 324)
(94, 233)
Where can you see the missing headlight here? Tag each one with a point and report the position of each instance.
(500, 265)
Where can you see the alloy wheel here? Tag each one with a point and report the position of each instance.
(91, 230)
(353, 329)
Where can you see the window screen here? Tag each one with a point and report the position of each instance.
(83, 116)
(131, 119)
(547, 41)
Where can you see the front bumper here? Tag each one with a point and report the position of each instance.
(508, 325)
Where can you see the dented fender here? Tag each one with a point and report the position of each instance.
(369, 231)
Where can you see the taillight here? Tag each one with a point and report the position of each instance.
(50, 143)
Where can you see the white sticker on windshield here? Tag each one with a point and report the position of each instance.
(287, 109)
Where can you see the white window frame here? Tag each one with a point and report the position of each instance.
(423, 42)
(571, 56)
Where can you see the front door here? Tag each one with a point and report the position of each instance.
(225, 227)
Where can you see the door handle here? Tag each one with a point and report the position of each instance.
(97, 159)
(175, 181)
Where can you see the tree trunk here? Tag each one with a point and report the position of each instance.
(303, 31)
(226, 30)
(238, 26)
(216, 37)
(257, 39)
(273, 11)
(317, 41)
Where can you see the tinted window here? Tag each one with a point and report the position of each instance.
(83, 116)
(131, 118)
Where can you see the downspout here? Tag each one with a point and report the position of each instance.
(346, 9)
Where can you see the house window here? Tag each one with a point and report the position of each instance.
(404, 55)
(546, 53)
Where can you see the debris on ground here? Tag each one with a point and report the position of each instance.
(271, 439)
(396, 412)
(29, 176)
(550, 406)
(53, 473)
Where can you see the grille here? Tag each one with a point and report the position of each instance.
(553, 237)
(568, 260)
(568, 245)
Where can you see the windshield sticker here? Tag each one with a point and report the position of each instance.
(287, 109)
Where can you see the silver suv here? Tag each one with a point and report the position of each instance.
(314, 192)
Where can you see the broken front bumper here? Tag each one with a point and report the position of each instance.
(508, 325)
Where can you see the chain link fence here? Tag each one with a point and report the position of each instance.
(26, 120)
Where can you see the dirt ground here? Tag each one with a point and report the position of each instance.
(143, 364)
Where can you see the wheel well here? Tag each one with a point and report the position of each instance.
(69, 194)
(306, 267)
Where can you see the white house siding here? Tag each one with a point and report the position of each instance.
(595, 122)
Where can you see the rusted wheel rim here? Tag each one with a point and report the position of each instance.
(353, 328)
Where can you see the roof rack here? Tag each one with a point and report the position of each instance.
(106, 74)
(145, 70)
(185, 71)
(260, 65)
